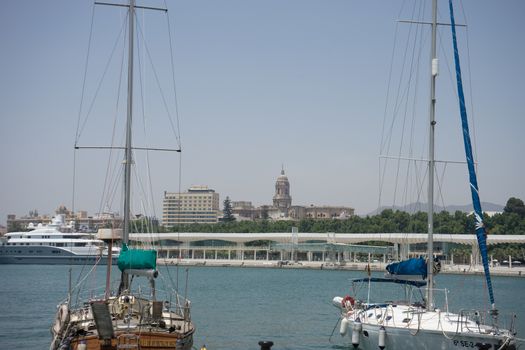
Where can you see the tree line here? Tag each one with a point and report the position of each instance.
(510, 222)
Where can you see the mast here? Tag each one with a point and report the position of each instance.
(128, 156)
(430, 243)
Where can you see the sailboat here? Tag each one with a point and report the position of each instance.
(414, 321)
(130, 318)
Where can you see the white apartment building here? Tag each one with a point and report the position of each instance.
(199, 204)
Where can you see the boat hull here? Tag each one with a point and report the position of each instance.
(45, 255)
(145, 341)
(406, 338)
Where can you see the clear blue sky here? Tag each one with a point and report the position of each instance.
(260, 83)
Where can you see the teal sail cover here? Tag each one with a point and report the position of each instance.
(139, 259)
(480, 226)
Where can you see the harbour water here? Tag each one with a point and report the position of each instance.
(233, 308)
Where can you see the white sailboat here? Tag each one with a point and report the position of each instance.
(134, 316)
(415, 321)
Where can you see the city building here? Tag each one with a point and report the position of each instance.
(81, 221)
(242, 210)
(282, 208)
(282, 199)
(198, 205)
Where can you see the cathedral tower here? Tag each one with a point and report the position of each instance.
(282, 199)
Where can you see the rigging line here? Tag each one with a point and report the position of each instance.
(406, 98)
(109, 172)
(386, 143)
(414, 105)
(74, 180)
(173, 78)
(472, 112)
(409, 81)
(439, 183)
(396, 103)
(179, 140)
(150, 206)
(101, 79)
(179, 209)
(388, 88)
(420, 189)
(150, 59)
(380, 183)
(144, 126)
(447, 64)
(73, 194)
(144, 196)
(111, 195)
(381, 149)
(85, 74)
(398, 97)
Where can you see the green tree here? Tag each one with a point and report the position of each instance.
(515, 205)
(14, 227)
(227, 211)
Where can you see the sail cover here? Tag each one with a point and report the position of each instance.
(138, 259)
(410, 267)
(480, 226)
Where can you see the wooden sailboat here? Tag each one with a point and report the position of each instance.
(128, 318)
(415, 321)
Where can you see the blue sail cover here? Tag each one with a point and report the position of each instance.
(480, 227)
(410, 267)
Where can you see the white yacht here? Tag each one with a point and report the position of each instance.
(51, 244)
(425, 322)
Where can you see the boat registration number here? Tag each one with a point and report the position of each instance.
(157, 343)
(464, 343)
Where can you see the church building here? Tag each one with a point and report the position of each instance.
(282, 208)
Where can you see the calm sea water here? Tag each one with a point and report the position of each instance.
(233, 308)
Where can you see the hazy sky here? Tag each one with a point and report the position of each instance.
(260, 83)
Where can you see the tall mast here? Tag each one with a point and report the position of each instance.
(430, 243)
(128, 156)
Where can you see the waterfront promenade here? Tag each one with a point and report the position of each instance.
(319, 250)
(458, 269)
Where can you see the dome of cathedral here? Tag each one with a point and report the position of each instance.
(282, 198)
(282, 177)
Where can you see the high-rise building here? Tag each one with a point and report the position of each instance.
(198, 205)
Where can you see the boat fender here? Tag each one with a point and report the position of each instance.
(382, 338)
(344, 326)
(82, 345)
(356, 331)
(348, 302)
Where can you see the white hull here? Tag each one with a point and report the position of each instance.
(413, 327)
(47, 255)
(404, 338)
